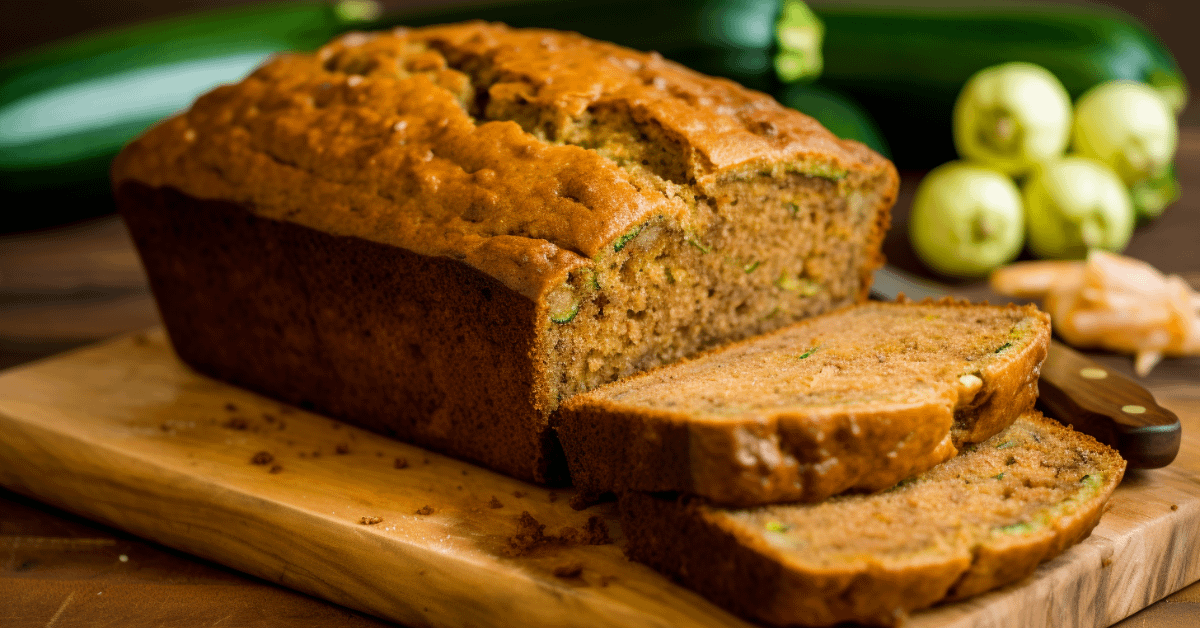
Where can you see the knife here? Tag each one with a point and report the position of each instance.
(1110, 407)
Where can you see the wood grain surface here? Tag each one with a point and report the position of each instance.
(124, 434)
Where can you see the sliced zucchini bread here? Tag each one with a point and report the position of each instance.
(859, 398)
(983, 519)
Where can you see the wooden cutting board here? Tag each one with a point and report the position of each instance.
(125, 434)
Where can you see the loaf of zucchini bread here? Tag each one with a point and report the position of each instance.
(443, 233)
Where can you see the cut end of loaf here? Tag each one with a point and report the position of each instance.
(752, 255)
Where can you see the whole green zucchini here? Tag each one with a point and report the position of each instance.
(906, 64)
(67, 108)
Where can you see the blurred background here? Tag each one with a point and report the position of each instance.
(28, 23)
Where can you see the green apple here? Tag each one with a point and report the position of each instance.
(1074, 205)
(966, 220)
(1012, 117)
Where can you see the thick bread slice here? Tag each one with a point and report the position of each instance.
(859, 398)
(979, 521)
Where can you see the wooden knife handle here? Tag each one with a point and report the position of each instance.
(1112, 408)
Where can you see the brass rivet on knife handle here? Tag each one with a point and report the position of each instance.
(1109, 406)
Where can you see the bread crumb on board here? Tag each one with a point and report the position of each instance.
(262, 457)
(425, 510)
(400, 463)
(531, 535)
(569, 570)
(370, 521)
(495, 503)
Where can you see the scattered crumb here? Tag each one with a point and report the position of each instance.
(604, 580)
(459, 487)
(464, 471)
(1104, 562)
(595, 532)
(316, 454)
(495, 503)
(568, 536)
(370, 521)
(569, 570)
(425, 510)
(236, 423)
(426, 461)
(262, 457)
(269, 418)
(275, 468)
(230, 407)
(531, 535)
(586, 499)
(519, 494)
(400, 463)
(341, 449)
(553, 497)
(164, 427)
(1174, 506)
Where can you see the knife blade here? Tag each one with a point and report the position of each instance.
(1076, 390)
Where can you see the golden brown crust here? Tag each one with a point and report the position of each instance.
(457, 141)
(807, 453)
(715, 552)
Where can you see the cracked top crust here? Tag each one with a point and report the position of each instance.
(521, 153)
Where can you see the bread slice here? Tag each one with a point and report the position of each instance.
(983, 519)
(859, 398)
(441, 233)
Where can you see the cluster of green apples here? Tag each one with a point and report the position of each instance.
(1017, 184)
